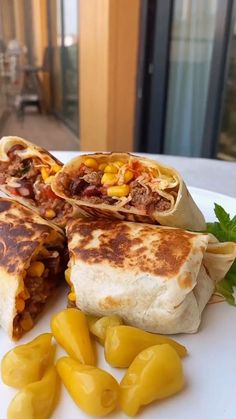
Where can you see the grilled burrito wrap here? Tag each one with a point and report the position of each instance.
(156, 278)
(127, 187)
(26, 172)
(31, 265)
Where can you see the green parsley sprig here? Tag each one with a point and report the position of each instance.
(225, 230)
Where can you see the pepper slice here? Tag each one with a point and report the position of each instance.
(94, 390)
(71, 331)
(36, 400)
(156, 373)
(123, 343)
(26, 363)
(99, 326)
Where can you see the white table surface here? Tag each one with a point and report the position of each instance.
(214, 175)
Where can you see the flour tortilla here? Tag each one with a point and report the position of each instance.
(22, 234)
(183, 213)
(156, 278)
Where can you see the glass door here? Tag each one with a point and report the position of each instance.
(184, 77)
(191, 51)
(227, 137)
(63, 28)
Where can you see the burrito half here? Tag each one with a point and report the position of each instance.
(32, 264)
(26, 173)
(129, 188)
(156, 278)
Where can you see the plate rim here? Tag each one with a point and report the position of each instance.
(194, 189)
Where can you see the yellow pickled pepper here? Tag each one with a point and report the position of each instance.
(26, 363)
(123, 343)
(156, 373)
(36, 400)
(99, 326)
(94, 390)
(70, 330)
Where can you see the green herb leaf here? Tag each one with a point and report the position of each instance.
(225, 230)
(226, 290)
(216, 230)
(227, 225)
(231, 274)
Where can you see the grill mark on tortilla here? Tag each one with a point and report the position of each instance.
(18, 244)
(117, 246)
(20, 235)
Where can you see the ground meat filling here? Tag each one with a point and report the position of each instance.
(38, 289)
(86, 185)
(144, 199)
(29, 183)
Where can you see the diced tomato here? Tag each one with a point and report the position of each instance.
(137, 168)
(13, 191)
(48, 193)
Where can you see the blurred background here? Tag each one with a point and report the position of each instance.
(139, 75)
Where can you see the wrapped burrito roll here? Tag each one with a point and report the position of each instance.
(31, 265)
(129, 188)
(156, 278)
(26, 172)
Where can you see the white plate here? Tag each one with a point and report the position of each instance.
(210, 367)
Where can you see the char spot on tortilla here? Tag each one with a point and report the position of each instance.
(185, 280)
(114, 243)
(18, 243)
(83, 227)
(110, 302)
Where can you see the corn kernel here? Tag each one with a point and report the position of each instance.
(27, 322)
(20, 305)
(50, 213)
(108, 179)
(122, 190)
(36, 269)
(118, 163)
(91, 163)
(67, 275)
(71, 296)
(56, 168)
(102, 166)
(128, 176)
(110, 168)
(25, 294)
(44, 173)
(49, 179)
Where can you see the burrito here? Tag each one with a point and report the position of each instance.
(128, 187)
(26, 173)
(32, 261)
(156, 278)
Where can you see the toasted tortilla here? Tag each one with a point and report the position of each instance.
(22, 235)
(156, 278)
(183, 211)
(47, 159)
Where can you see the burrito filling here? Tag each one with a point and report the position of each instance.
(71, 297)
(41, 279)
(30, 178)
(130, 184)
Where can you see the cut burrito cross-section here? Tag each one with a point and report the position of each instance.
(128, 187)
(26, 173)
(32, 261)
